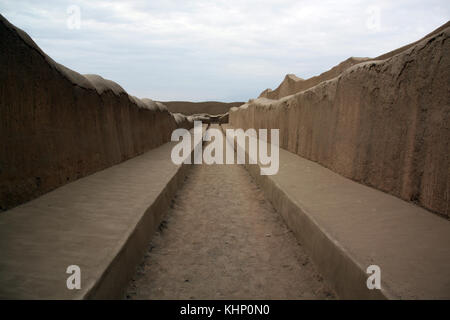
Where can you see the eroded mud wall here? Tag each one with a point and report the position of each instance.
(57, 126)
(383, 123)
(293, 84)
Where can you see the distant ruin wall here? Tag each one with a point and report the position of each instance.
(382, 123)
(53, 131)
(208, 107)
(292, 84)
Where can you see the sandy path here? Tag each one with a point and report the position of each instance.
(222, 240)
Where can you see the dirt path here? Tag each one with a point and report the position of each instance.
(222, 240)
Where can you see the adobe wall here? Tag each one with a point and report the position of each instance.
(383, 123)
(57, 125)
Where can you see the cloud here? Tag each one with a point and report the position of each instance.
(222, 50)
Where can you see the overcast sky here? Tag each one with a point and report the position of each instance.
(217, 50)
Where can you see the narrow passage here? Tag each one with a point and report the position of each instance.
(222, 240)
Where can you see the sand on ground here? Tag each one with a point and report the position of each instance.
(222, 240)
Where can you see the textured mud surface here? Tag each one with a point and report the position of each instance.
(222, 240)
(57, 125)
(383, 123)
